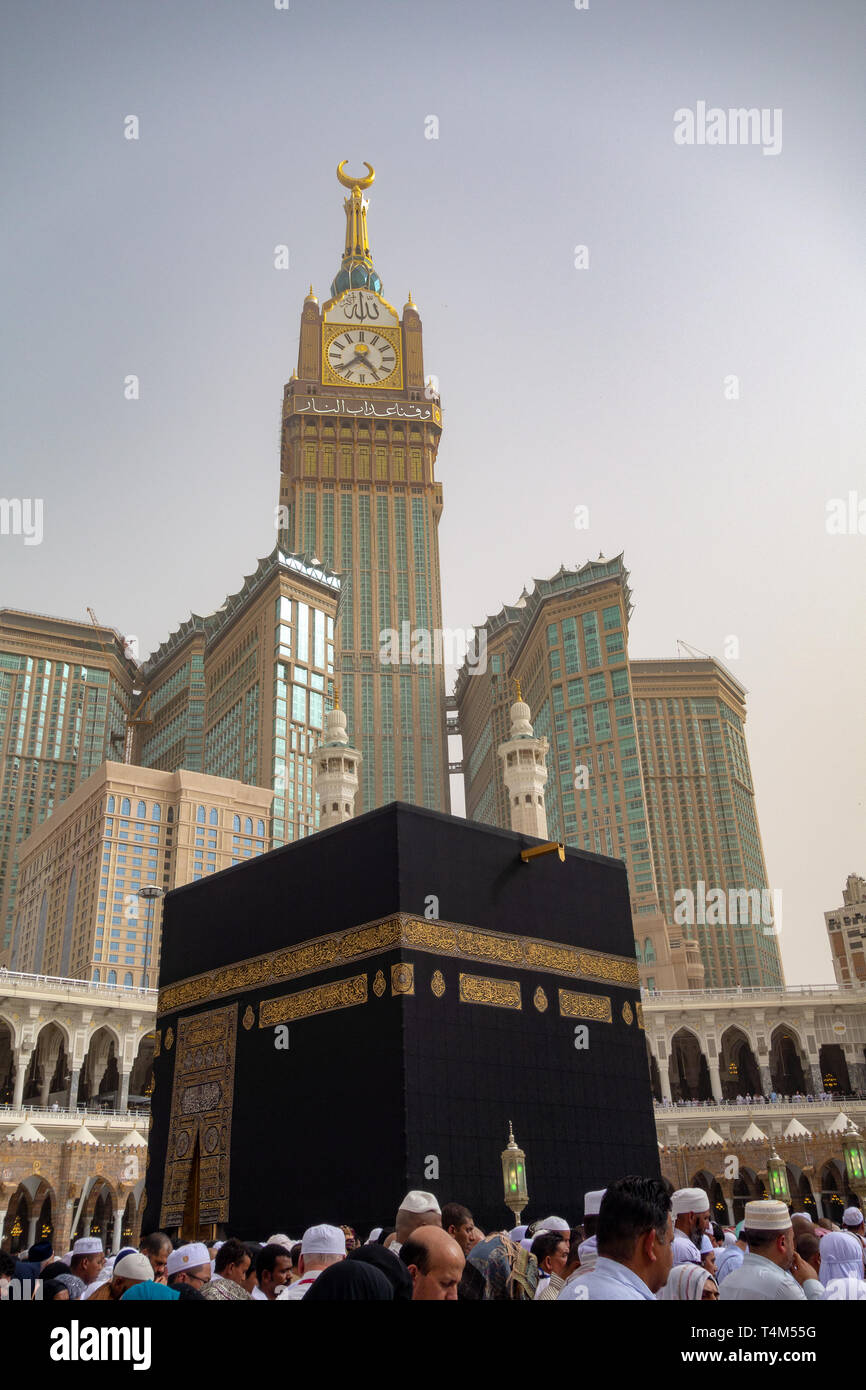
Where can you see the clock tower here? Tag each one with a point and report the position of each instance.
(360, 435)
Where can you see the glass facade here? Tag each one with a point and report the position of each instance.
(59, 719)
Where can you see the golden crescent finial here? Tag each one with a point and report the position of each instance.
(348, 182)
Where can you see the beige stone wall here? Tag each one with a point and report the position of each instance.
(734, 1173)
(60, 1172)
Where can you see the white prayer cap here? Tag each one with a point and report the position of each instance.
(136, 1267)
(420, 1201)
(707, 1246)
(852, 1216)
(190, 1256)
(87, 1245)
(285, 1241)
(730, 1238)
(592, 1202)
(766, 1216)
(323, 1240)
(552, 1223)
(517, 1233)
(374, 1234)
(689, 1199)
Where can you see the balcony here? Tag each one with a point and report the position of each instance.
(50, 1120)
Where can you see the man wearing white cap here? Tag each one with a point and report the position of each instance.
(321, 1246)
(691, 1209)
(587, 1251)
(416, 1209)
(88, 1258)
(772, 1269)
(189, 1264)
(133, 1268)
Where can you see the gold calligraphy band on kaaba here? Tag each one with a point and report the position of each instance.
(595, 1007)
(321, 999)
(372, 938)
(479, 989)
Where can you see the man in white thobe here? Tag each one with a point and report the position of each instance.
(730, 1257)
(772, 1270)
(587, 1251)
(321, 1246)
(691, 1210)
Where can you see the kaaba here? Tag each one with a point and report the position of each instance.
(365, 1010)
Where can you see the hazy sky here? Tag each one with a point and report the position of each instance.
(604, 386)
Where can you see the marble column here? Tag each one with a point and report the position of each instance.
(22, 1066)
(664, 1079)
(715, 1079)
(116, 1232)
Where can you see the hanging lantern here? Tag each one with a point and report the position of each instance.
(514, 1176)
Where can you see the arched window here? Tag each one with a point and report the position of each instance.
(199, 815)
(260, 829)
(124, 806)
(127, 980)
(110, 805)
(236, 824)
(638, 952)
(248, 825)
(112, 977)
(214, 816)
(141, 813)
(96, 977)
(649, 953)
(170, 814)
(157, 811)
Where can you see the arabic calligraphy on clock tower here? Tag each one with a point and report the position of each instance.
(357, 490)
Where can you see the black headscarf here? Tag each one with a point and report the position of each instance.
(350, 1280)
(390, 1265)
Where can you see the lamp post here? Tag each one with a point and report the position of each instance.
(855, 1160)
(777, 1178)
(149, 892)
(514, 1176)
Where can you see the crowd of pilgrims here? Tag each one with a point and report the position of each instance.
(638, 1240)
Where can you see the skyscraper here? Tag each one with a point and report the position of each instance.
(648, 763)
(81, 913)
(359, 442)
(691, 717)
(65, 694)
(241, 693)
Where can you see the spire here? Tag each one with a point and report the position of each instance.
(356, 268)
(335, 771)
(524, 771)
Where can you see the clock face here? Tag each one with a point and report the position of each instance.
(362, 357)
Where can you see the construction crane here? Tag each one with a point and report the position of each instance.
(138, 717)
(694, 652)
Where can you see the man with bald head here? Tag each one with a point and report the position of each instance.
(435, 1263)
(416, 1209)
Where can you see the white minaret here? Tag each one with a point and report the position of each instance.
(524, 769)
(336, 772)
